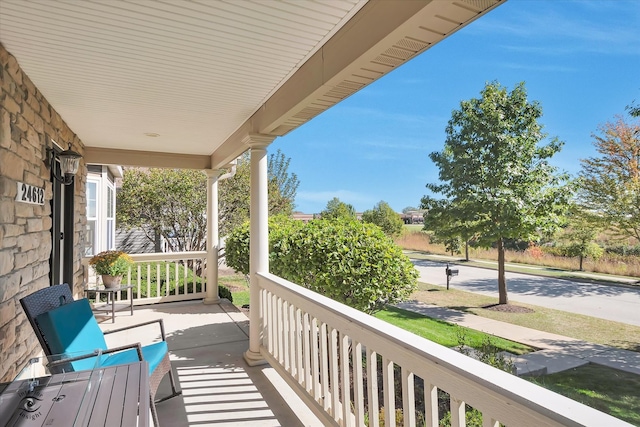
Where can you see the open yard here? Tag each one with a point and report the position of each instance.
(599, 331)
(599, 387)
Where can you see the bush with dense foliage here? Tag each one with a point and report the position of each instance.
(346, 260)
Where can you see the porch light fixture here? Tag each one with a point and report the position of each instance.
(69, 163)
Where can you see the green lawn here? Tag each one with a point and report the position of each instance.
(608, 390)
(445, 333)
(238, 286)
(591, 329)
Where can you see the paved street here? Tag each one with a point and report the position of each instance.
(618, 303)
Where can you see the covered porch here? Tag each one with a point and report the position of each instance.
(330, 365)
(194, 85)
(207, 343)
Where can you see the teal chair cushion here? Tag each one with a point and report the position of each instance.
(72, 330)
(152, 353)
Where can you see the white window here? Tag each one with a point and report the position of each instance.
(92, 219)
(111, 216)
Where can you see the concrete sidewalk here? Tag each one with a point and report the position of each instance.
(556, 352)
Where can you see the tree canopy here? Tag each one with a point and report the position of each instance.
(495, 177)
(609, 184)
(384, 217)
(165, 202)
(235, 192)
(338, 209)
(172, 202)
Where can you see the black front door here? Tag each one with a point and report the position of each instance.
(61, 260)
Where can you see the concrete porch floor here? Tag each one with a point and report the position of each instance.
(206, 343)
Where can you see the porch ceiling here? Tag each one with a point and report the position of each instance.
(181, 82)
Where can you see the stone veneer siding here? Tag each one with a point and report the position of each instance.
(27, 124)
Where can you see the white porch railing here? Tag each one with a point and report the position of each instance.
(346, 365)
(165, 277)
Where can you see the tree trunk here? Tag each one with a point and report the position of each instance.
(157, 241)
(466, 250)
(581, 258)
(502, 282)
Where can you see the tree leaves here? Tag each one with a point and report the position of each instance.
(609, 184)
(384, 217)
(172, 202)
(343, 259)
(495, 177)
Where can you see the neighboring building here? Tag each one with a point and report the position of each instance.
(304, 217)
(135, 241)
(413, 217)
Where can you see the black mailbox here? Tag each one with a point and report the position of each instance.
(450, 272)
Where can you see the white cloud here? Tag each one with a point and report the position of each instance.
(373, 113)
(565, 30)
(399, 144)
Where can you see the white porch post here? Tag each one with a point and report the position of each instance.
(213, 239)
(259, 240)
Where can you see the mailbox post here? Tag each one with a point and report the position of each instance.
(450, 272)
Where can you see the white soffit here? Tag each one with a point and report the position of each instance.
(189, 71)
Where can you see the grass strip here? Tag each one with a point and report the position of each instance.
(445, 333)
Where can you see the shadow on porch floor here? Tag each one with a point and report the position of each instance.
(206, 343)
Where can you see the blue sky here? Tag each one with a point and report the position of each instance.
(579, 59)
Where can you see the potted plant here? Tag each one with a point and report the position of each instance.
(112, 265)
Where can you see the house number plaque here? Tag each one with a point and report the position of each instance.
(30, 194)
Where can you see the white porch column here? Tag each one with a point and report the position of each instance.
(259, 240)
(213, 239)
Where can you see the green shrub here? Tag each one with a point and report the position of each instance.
(224, 292)
(344, 259)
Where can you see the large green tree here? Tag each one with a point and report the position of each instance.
(384, 217)
(172, 202)
(495, 173)
(609, 184)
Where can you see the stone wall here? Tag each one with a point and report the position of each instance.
(27, 125)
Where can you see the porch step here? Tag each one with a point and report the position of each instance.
(525, 366)
(553, 361)
(538, 363)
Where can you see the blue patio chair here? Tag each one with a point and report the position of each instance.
(68, 327)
